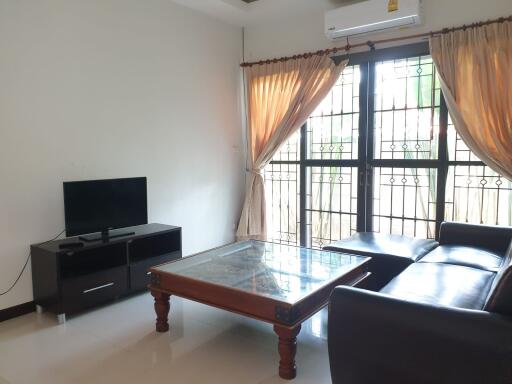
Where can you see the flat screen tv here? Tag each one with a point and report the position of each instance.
(100, 205)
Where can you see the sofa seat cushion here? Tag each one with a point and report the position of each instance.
(379, 245)
(466, 256)
(442, 284)
(390, 254)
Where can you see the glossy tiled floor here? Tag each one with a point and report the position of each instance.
(117, 344)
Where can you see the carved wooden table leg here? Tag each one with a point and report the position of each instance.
(287, 351)
(162, 310)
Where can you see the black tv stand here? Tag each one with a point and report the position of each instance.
(104, 236)
(67, 279)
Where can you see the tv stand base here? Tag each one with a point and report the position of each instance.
(61, 318)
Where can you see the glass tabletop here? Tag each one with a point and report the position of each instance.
(283, 272)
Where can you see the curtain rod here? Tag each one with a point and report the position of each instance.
(371, 44)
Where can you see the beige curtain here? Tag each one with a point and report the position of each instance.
(475, 68)
(280, 98)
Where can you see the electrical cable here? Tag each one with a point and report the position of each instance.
(25, 266)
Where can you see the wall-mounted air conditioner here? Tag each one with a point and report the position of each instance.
(371, 16)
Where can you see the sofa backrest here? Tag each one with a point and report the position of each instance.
(491, 237)
(500, 296)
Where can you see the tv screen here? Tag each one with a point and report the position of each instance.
(98, 205)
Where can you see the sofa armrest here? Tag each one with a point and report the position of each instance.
(494, 238)
(376, 338)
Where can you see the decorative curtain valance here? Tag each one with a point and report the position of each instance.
(475, 68)
(280, 98)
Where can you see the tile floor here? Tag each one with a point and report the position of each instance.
(117, 344)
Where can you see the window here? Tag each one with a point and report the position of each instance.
(380, 154)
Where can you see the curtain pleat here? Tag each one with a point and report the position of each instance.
(475, 69)
(280, 98)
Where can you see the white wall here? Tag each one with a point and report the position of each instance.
(116, 88)
(304, 32)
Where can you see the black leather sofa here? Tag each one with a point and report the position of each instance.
(446, 318)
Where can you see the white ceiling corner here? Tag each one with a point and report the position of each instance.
(230, 11)
(239, 13)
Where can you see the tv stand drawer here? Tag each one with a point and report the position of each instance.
(88, 290)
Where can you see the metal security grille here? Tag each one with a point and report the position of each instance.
(332, 210)
(406, 113)
(406, 132)
(474, 192)
(380, 154)
(333, 128)
(405, 199)
(332, 150)
(282, 189)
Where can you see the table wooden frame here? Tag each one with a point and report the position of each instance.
(285, 317)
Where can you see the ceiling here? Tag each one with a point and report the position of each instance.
(250, 12)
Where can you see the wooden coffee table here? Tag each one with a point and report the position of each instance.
(279, 284)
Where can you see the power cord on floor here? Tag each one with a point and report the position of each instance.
(25, 266)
